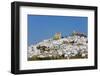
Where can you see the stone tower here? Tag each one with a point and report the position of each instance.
(57, 36)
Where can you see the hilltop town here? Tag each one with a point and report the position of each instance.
(74, 46)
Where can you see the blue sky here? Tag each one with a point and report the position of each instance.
(43, 27)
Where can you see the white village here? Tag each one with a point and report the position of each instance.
(74, 46)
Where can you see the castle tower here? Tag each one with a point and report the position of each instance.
(57, 36)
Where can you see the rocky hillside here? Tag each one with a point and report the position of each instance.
(71, 47)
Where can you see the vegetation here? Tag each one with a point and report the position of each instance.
(44, 48)
(78, 56)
